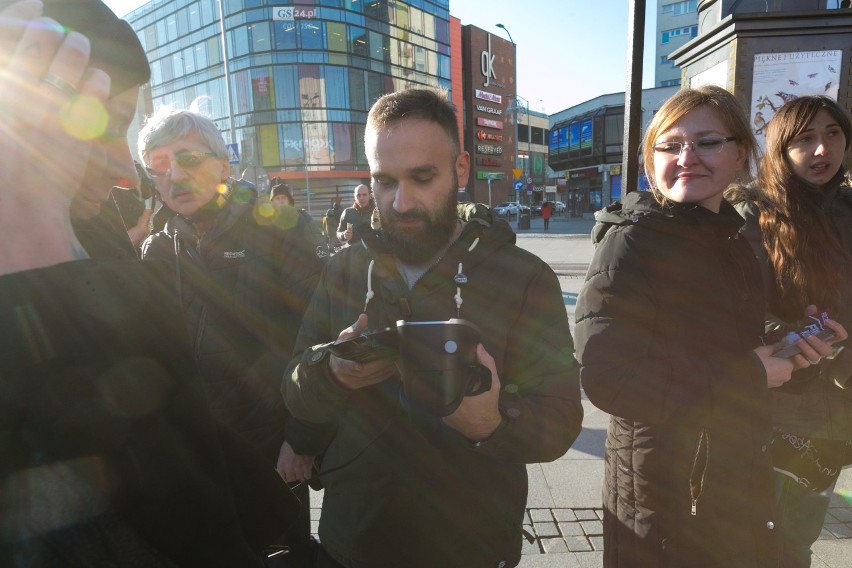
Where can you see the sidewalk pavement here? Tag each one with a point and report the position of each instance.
(564, 513)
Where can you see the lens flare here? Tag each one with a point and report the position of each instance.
(84, 118)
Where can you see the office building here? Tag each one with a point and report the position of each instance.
(289, 86)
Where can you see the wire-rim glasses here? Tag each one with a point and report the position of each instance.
(703, 147)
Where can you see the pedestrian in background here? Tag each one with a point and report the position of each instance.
(799, 222)
(546, 212)
(668, 330)
(354, 220)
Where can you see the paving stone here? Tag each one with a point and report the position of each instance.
(597, 542)
(825, 534)
(315, 514)
(840, 530)
(586, 514)
(589, 559)
(528, 547)
(599, 513)
(527, 519)
(540, 515)
(546, 529)
(577, 544)
(571, 529)
(843, 515)
(592, 528)
(554, 545)
(564, 515)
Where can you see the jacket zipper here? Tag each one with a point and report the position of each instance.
(697, 488)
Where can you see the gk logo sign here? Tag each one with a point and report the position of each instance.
(487, 64)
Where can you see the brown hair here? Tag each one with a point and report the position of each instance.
(727, 108)
(423, 104)
(798, 237)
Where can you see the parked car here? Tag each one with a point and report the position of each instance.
(558, 207)
(535, 209)
(507, 209)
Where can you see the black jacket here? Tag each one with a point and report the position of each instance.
(671, 308)
(817, 402)
(244, 285)
(110, 456)
(400, 487)
(359, 218)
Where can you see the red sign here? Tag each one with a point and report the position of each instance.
(482, 135)
(261, 85)
(489, 123)
(494, 162)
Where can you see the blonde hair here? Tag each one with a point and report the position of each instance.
(729, 112)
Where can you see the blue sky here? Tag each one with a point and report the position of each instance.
(569, 51)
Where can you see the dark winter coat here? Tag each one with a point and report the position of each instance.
(360, 218)
(667, 319)
(812, 404)
(244, 285)
(110, 456)
(402, 489)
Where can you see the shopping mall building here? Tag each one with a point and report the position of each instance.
(290, 85)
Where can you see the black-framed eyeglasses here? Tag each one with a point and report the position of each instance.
(703, 147)
(187, 160)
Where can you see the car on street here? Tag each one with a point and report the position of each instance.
(558, 207)
(507, 209)
(535, 209)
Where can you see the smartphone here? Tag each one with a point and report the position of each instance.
(369, 346)
(814, 325)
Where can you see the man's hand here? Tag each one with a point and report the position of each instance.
(477, 417)
(140, 231)
(293, 467)
(354, 375)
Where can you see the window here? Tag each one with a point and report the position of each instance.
(310, 33)
(691, 31)
(680, 8)
(670, 83)
(285, 35)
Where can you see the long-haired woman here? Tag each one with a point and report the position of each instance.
(799, 221)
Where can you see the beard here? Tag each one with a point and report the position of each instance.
(416, 246)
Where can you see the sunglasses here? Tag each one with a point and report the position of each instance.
(187, 160)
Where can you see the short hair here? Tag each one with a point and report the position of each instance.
(416, 103)
(281, 188)
(168, 124)
(115, 48)
(728, 110)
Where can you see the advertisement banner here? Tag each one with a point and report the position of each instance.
(781, 77)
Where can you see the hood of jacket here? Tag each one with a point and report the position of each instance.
(683, 220)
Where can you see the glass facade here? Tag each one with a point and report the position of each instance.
(302, 75)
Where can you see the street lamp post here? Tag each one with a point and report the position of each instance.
(515, 100)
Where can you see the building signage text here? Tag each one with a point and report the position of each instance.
(493, 162)
(289, 13)
(481, 135)
(489, 110)
(487, 64)
(489, 123)
(486, 96)
(488, 149)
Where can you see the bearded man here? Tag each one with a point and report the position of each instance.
(405, 485)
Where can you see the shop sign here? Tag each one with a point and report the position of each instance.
(489, 175)
(493, 162)
(481, 135)
(489, 123)
(584, 173)
(489, 110)
(490, 97)
(487, 149)
(289, 13)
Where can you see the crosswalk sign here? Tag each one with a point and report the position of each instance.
(233, 154)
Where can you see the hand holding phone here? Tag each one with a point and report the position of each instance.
(368, 346)
(811, 325)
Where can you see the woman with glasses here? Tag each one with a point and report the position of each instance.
(799, 222)
(668, 335)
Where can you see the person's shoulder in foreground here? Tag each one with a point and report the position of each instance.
(434, 484)
(110, 454)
